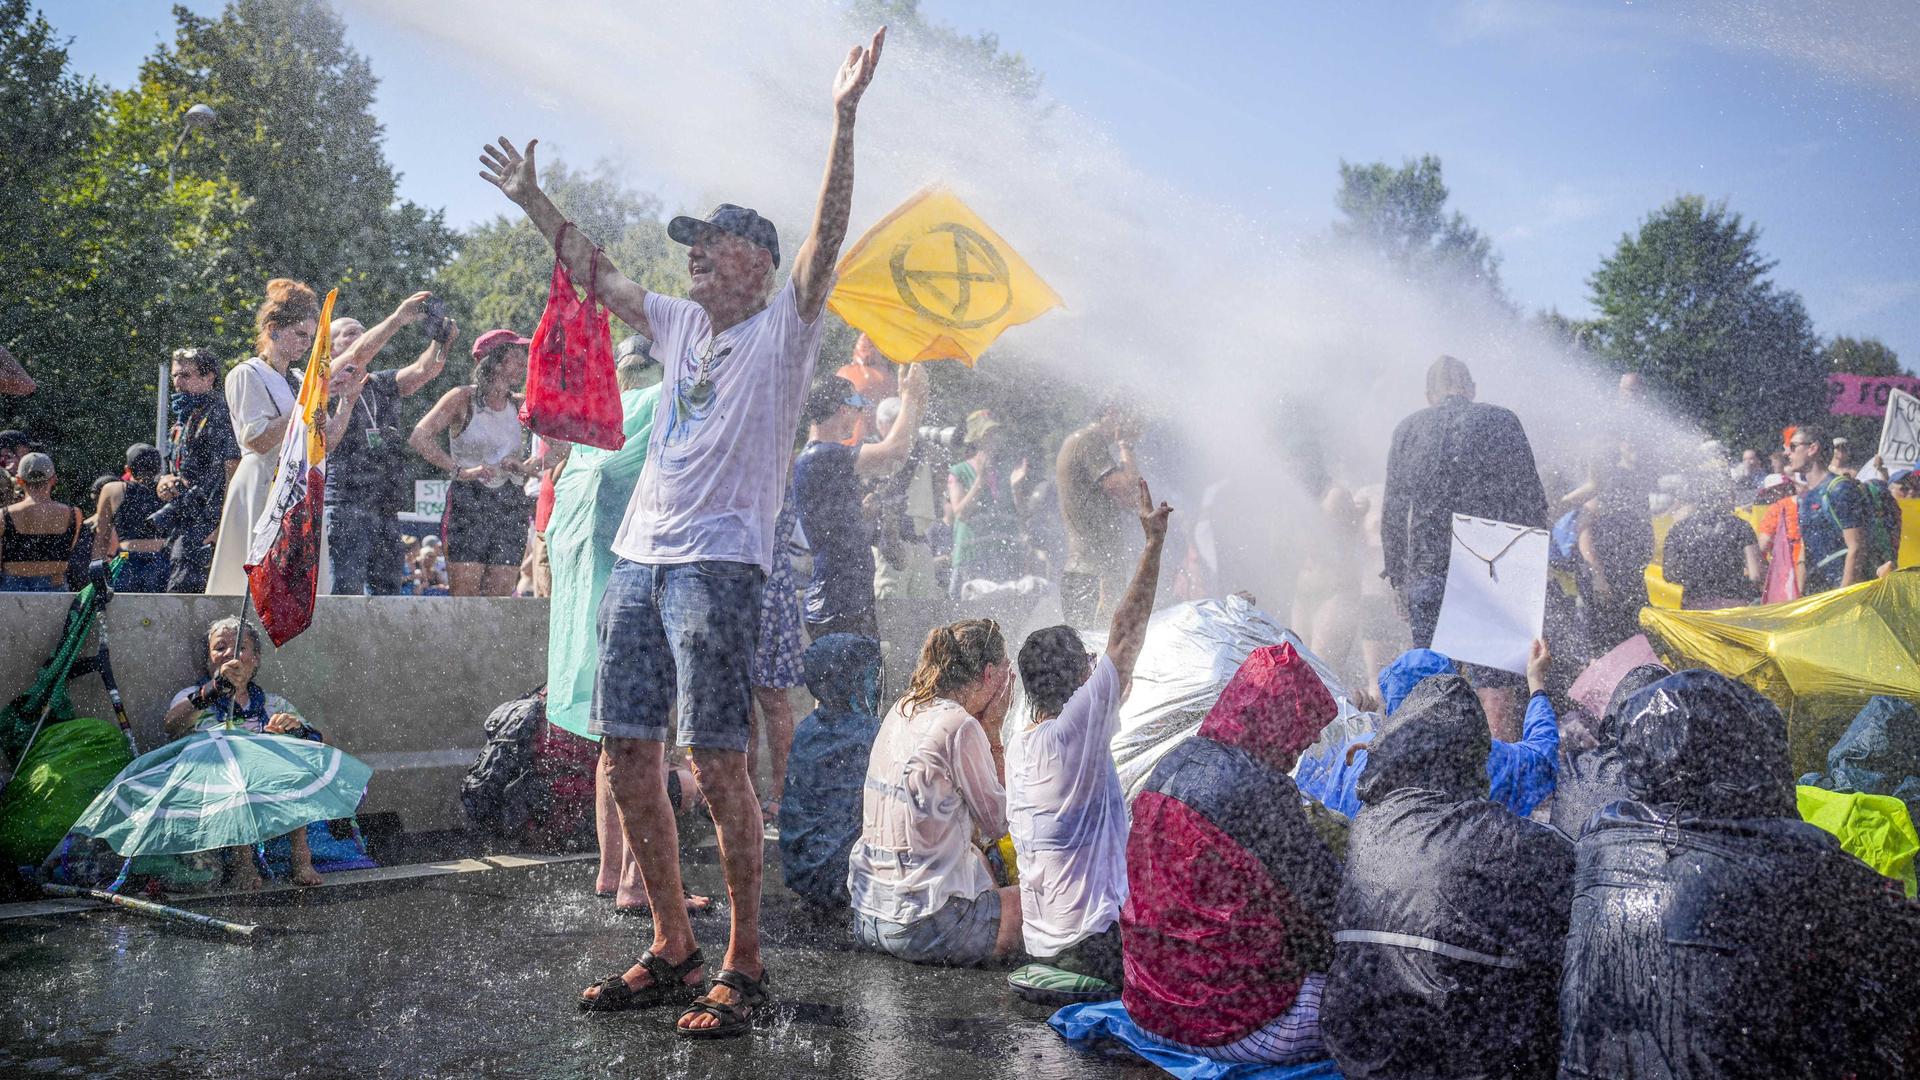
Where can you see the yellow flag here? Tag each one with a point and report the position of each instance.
(931, 281)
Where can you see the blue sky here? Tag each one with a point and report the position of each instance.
(1560, 124)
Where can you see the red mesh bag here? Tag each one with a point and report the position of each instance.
(572, 392)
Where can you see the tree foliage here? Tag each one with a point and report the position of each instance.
(1862, 356)
(1687, 302)
(1402, 214)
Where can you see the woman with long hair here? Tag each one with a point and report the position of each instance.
(921, 886)
(260, 400)
(485, 521)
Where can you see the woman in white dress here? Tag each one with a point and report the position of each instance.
(261, 402)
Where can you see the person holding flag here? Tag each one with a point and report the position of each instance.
(283, 555)
(679, 615)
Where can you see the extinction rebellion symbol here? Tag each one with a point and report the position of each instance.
(953, 297)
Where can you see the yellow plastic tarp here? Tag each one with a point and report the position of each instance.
(1909, 533)
(1876, 829)
(1819, 658)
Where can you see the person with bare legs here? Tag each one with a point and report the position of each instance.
(678, 618)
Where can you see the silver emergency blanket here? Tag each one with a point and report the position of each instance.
(1191, 652)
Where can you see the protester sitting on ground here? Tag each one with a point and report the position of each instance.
(1457, 456)
(367, 481)
(1520, 775)
(820, 817)
(919, 882)
(1452, 913)
(124, 525)
(1596, 777)
(983, 504)
(1227, 928)
(1094, 476)
(228, 697)
(1066, 812)
(1836, 520)
(202, 458)
(827, 477)
(1713, 931)
(1711, 552)
(14, 380)
(261, 401)
(38, 534)
(485, 520)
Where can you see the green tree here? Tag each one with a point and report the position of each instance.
(1862, 356)
(1402, 214)
(298, 138)
(1687, 302)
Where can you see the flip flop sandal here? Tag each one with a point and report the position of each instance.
(736, 1017)
(669, 986)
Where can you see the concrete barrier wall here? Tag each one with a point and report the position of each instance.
(403, 683)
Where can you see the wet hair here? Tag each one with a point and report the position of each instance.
(144, 460)
(288, 303)
(1447, 377)
(200, 358)
(487, 367)
(1815, 434)
(1053, 664)
(231, 622)
(953, 656)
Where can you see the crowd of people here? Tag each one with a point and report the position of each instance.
(1426, 904)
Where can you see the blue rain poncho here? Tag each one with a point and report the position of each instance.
(820, 807)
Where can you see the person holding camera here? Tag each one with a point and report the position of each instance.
(201, 457)
(367, 481)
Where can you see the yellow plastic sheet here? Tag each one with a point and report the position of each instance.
(1909, 533)
(1819, 657)
(1876, 829)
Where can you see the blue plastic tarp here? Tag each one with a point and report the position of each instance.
(1107, 1021)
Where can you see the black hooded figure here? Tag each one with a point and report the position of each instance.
(1452, 914)
(1715, 934)
(1593, 778)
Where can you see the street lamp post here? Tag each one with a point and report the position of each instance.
(199, 116)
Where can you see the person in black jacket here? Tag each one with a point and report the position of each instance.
(1457, 456)
(1453, 911)
(1714, 933)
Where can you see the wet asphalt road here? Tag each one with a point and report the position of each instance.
(475, 975)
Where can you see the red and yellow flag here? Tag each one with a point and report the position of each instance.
(283, 559)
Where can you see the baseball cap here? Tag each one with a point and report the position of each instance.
(634, 345)
(728, 218)
(493, 339)
(34, 468)
(979, 422)
(828, 395)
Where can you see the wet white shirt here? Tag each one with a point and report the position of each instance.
(1068, 817)
(722, 433)
(930, 790)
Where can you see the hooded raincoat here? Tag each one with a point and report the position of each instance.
(1593, 778)
(820, 810)
(1520, 776)
(1715, 934)
(1453, 913)
(1230, 889)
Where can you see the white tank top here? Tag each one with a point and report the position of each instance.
(492, 436)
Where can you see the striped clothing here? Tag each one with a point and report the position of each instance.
(1289, 1039)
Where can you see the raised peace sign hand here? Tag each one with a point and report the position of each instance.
(1153, 519)
(854, 75)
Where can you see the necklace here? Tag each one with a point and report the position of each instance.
(701, 391)
(1497, 556)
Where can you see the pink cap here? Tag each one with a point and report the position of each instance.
(493, 339)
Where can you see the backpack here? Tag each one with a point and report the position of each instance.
(501, 790)
(1882, 526)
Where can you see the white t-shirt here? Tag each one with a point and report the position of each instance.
(717, 462)
(1068, 818)
(930, 790)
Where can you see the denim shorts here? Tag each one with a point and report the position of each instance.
(961, 934)
(680, 634)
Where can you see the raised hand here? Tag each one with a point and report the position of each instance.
(510, 171)
(1153, 519)
(413, 307)
(854, 75)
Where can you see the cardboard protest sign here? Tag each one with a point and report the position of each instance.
(1496, 600)
(1900, 432)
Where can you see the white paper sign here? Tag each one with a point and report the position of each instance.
(1900, 432)
(1496, 601)
(430, 497)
